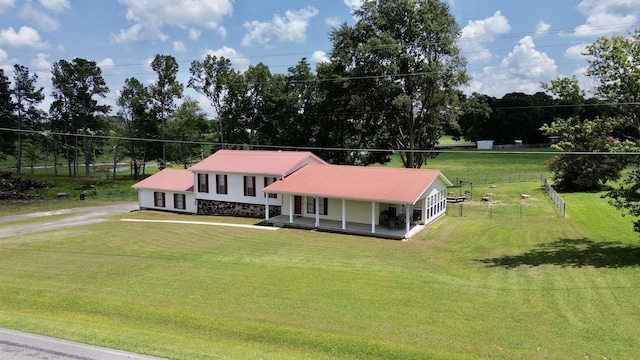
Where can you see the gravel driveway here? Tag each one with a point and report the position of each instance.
(85, 216)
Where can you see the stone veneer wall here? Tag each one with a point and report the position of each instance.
(212, 207)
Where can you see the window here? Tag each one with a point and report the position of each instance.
(203, 183)
(392, 209)
(179, 201)
(249, 186)
(158, 199)
(268, 181)
(311, 206)
(221, 184)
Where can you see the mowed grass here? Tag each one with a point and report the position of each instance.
(465, 288)
(505, 286)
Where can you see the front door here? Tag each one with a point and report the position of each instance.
(297, 205)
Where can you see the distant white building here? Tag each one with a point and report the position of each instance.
(485, 144)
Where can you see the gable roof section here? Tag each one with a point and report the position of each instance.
(276, 163)
(169, 180)
(383, 184)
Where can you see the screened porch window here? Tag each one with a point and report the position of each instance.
(311, 205)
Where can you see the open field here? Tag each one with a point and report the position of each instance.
(523, 284)
(466, 288)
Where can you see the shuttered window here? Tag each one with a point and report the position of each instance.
(221, 184)
(249, 186)
(158, 199)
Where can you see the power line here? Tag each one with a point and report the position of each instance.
(320, 148)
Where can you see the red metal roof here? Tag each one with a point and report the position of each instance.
(384, 184)
(277, 163)
(168, 179)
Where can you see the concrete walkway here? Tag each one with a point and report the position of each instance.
(258, 227)
(17, 345)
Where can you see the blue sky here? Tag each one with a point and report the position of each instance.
(511, 45)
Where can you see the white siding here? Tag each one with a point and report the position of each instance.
(146, 201)
(235, 190)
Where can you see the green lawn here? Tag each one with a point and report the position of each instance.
(539, 287)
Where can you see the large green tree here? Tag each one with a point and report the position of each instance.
(401, 66)
(614, 63)
(290, 108)
(578, 134)
(7, 137)
(76, 84)
(187, 126)
(164, 93)
(212, 78)
(26, 99)
(138, 122)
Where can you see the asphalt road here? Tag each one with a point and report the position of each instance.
(85, 216)
(17, 345)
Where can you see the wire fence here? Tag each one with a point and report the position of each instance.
(553, 195)
(477, 210)
(508, 177)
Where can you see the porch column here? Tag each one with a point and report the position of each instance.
(424, 211)
(344, 214)
(408, 219)
(266, 207)
(373, 217)
(317, 201)
(291, 196)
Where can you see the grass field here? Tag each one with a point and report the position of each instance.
(468, 287)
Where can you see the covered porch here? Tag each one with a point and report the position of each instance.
(352, 228)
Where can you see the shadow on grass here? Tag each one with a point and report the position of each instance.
(573, 253)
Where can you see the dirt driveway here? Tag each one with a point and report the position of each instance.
(85, 216)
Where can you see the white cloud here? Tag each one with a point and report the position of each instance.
(149, 17)
(41, 62)
(542, 28)
(292, 27)
(482, 31)
(42, 19)
(56, 5)
(178, 46)
(576, 52)
(106, 63)
(319, 56)
(194, 34)
(222, 31)
(333, 21)
(26, 37)
(521, 70)
(238, 61)
(3, 56)
(5, 4)
(606, 17)
(353, 4)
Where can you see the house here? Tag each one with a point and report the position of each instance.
(379, 201)
(230, 182)
(290, 188)
(169, 189)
